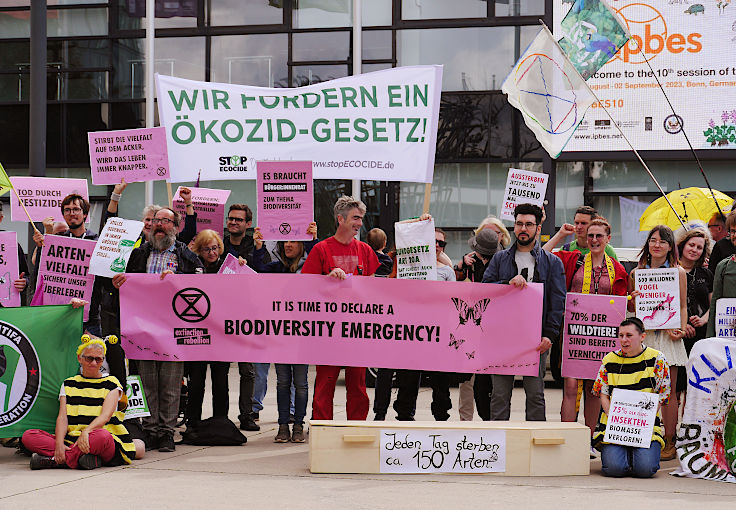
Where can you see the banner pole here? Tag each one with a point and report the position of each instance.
(427, 194)
(25, 210)
(169, 193)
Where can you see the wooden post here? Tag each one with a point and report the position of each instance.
(427, 192)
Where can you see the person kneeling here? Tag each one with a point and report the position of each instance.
(634, 367)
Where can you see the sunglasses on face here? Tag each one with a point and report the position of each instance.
(96, 359)
(441, 244)
(596, 236)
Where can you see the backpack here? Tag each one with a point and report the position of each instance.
(215, 431)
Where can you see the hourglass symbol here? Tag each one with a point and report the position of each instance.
(125, 246)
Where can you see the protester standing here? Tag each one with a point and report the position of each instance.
(726, 246)
(724, 280)
(583, 216)
(694, 247)
(377, 239)
(21, 282)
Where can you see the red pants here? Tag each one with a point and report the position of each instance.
(324, 392)
(100, 443)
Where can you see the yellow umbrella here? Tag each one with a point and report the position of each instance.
(690, 204)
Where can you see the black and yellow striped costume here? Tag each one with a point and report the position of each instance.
(646, 372)
(84, 399)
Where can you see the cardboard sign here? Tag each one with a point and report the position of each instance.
(416, 257)
(285, 200)
(522, 187)
(42, 196)
(658, 302)
(590, 332)
(631, 418)
(231, 265)
(726, 318)
(209, 204)
(9, 271)
(114, 246)
(137, 403)
(135, 155)
(442, 451)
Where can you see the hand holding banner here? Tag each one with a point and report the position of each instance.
(114, 247)
(658, 302)
(416, 257)
(231, 265)
(209, 204)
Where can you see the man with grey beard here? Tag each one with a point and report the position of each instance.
(163, 255)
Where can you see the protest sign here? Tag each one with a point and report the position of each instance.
(37, 352)
(522, 187)
(442, 451)
(631, 211)
(285, 200)
(726, 318)
(209, 204)
(416, 257)
(135, 155)
(231, 265)
(374, 126)
(706, 443)
(42, 196)
(658, 302)
(64, 271)
(9, 271)
(114, 246)
(631, 416)
(137, 403)
(591, 332)
(318, 320)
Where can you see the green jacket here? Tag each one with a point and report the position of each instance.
(724, 286)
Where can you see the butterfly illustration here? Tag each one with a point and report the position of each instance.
(470, 355)
(456, 342)
(475, 313)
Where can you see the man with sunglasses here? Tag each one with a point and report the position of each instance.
(526, 262)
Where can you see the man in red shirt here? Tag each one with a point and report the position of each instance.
(340, 256)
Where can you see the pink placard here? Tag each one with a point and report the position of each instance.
(8, 269)
(285, 199)
(63, 271)
(209, 204)
(231, 265)
(135, 155)
(314, 319)
(591, 332)
(42, 196)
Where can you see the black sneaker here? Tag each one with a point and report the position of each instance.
(249, 424)
(89, 461)
(166, 443)
(42, 462)
(380, 417)
(256, 416)
(152, 442)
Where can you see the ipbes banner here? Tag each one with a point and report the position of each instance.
(285, 200)
(375, 126)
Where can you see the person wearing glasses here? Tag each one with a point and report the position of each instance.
(584, 215)
(725, 247)
(163, 255)
(724, 280)
(525, 261)
(89, 427)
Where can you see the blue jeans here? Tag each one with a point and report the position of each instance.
(288, 377)
(618, 460)
(261, 385)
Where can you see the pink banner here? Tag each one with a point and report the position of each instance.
(312, 319)
(64, 271)
(136, 155)
(591, 332)
(9, 271)
(42, 196)
(285, 200)
(231, 265)
(209, 204)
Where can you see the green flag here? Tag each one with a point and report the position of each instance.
(37, 352)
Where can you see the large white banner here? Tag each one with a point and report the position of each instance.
(690, 45)
(377, 126)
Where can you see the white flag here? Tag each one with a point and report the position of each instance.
(548, 91)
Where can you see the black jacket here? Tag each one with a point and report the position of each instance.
(188, 262)
(244, 249)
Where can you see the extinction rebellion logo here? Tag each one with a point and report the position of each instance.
(191, 305)
(20, 374)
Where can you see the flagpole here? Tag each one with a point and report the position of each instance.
(24, 209)
(600, 103)
(150, 63)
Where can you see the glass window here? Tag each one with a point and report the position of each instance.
(433, 9)
(169, 14)
(14, 54)
(529, 146)
(610, 208)
(569, 192)
(519, 7)
(14, 127)
(629, 176)
(76, 22)
(258, 59)
(127, 115)
(309, 75)
(474, 58)
(369, 68)
(377, 44)
(67, 128)
(326, 193)
(323, 14)
(376, 13)
(15, 24)
(245, 12)
(84, 85)
(79, 53)
(311, 46)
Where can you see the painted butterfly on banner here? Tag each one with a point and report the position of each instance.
(466, 313)
(456, 342)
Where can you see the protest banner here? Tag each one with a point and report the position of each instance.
(137, 403)
(209, 204)
(42, 196)
(658, 302)
(522, 187)
(416, 257)
(9, 271)
(64, 271)
(114, 246)
(135, 155)
(591, 332)
(726, 318)
(37, 352)
(442, 451)
(231, 265)
(706, 442)
(318, 320)
(631, 418)
(374, 126)
(285, 200)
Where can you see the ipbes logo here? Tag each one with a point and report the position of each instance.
(649, 33)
